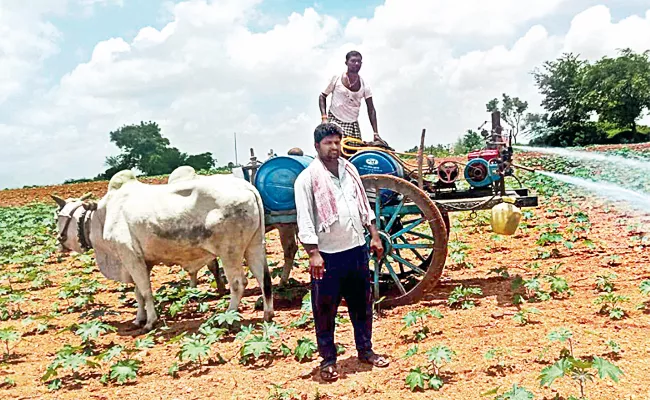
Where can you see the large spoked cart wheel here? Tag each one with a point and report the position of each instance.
(414, 236)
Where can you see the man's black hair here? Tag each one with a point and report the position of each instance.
(326, 129)
(352, 54)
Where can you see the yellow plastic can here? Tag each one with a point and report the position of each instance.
(505, 217)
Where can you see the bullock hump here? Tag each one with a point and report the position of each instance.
(183, 173)
(119, 179)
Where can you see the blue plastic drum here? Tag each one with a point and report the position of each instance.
(377, 162)
(380, 163)
(275, 178)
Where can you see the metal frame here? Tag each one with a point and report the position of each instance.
(405, 281)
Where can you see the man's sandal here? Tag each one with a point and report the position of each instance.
(329, 373)
(375, 360)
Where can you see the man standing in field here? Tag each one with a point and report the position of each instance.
(347, 91)
(332, 212)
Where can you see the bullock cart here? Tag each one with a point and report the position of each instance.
(412, 200)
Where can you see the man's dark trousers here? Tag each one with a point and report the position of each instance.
(346, 276)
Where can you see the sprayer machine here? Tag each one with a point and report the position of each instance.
(412, 195)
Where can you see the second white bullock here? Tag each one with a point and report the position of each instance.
(188, 223)
(287, 231)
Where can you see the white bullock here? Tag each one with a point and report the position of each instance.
(188, 223)
(287, 232)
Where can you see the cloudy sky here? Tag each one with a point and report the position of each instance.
(73, 70)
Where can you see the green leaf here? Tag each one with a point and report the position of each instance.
(645, 287)
(229, 317)
(175, 308)
(616, 313)
(212, 334)
(438, 354)
(73, 361)
(561, 335)
(435, 382)
(111, 353)
(416, 379)
(256, 346)
(491, 392)
(55, 384)
(285, 350)
(173, 370)
(552, 372)
(411, 352)
(271, 330)
(516, 393)
(9, 334)
(245, 332)
(49, 373)
(607, 369)
(124, 370)
(145, 343)
(194, 349)
(410, 319)
(92, 330)
(305, 349)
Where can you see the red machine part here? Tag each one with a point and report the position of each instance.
(486, 154)
(448, 171)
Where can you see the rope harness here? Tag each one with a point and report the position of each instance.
(83, 226)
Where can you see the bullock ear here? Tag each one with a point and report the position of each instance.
(58, 200)
(86, 196)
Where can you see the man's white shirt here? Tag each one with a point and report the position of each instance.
(346, 233)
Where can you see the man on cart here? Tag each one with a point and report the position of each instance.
(348, 90)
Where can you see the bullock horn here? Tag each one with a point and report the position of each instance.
(90, 205)
(86, 196)
(58, 200)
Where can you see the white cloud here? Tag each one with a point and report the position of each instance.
(405, 18)
(206, 74)
(25, 41)
(593, 34)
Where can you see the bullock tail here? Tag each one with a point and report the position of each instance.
(268, 294)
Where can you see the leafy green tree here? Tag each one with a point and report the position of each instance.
(143, 147)
(563, 84)
(471, 141)
(620, 88)
(201, 161)
(163, 161)
(512, 112)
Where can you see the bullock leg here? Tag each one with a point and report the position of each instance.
(256, 258)
(214, 268)
(141, 315)
(236, 277)
(194, 280)
(289, 247)
(140, 275)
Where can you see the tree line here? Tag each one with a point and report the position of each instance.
(592, 103)
(144, 149)
(584, 103)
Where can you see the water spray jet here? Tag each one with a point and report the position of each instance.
(588, 156)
